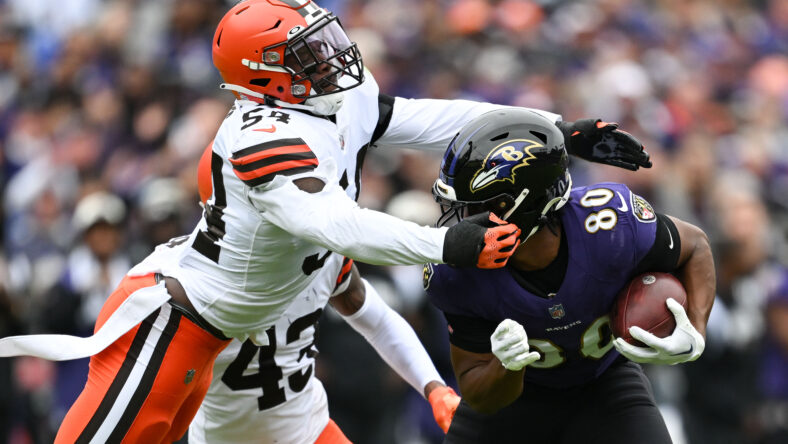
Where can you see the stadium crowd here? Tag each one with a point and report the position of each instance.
(106, 106)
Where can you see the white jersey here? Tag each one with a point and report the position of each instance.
(267, 394)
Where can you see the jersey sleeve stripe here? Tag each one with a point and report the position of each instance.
(273, 160)
(267, 146)
(267, 173)
(270, 152)
(269, 177)
(344, 273)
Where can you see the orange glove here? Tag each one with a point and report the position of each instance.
(482, 240)
(444, 402)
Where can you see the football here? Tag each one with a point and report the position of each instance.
(642, 303)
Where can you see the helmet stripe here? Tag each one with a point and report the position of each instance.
(304, 7)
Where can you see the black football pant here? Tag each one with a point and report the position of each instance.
(616, 408)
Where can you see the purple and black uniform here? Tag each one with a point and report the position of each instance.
(608, 235)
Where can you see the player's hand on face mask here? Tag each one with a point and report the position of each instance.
(510, 346)
(684, 344)
(444, 401)
(482, 240)
(602, 142)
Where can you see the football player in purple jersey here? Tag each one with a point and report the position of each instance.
(531, 343)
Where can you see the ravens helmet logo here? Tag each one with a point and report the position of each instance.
(502, 162)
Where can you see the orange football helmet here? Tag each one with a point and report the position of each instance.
(284, 50)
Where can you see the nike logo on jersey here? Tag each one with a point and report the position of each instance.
(623, 208)
(670, 236)
(266, 130)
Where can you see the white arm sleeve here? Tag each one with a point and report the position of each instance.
(394, 340)
(333, 220)
(431, 123)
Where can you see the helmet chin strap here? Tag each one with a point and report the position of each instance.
(554, 204)
(241, 90)
(517, 203)
(322, 105)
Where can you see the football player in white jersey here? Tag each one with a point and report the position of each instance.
(268, 394)
(279, 185)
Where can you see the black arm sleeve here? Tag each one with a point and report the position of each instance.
(470, 333)
(385, 108)
(664, 254)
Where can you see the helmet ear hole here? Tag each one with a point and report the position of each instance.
(260, 82)
(280, 89)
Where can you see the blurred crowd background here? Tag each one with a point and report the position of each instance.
(105, 107)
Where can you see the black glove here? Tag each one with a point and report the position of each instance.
(602, 142)
(482, 240)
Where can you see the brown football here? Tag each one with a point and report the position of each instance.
(642, 303)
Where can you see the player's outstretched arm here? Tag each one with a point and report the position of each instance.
(397, 343)
(602, 142)
(491, 381)
(430, 124)
(328, 217)
(696, 272)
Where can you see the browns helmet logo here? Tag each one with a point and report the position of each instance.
(502, 162)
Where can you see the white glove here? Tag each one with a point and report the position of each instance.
(684, 344)
(510, 346)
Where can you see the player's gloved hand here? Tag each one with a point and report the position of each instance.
(444, 401)
(602, 142)
(482, 240)
(684, 344)
(510, 346)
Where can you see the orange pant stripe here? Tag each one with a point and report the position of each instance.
(148, 385)
(145, 381)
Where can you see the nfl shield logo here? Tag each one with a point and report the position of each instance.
(557, 311)
(189, 376)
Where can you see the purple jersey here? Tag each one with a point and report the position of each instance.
(608, 231)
